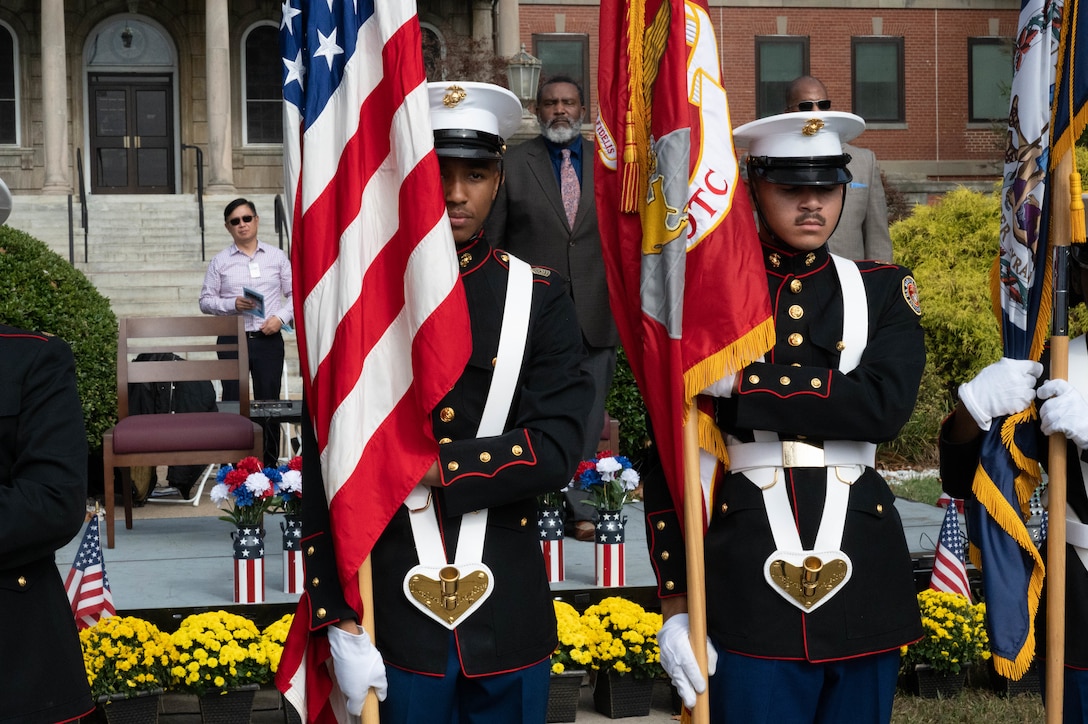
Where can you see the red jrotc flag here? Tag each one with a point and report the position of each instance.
(382, 320)
(87, 585)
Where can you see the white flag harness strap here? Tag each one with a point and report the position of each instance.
(808, 578)
(447, 592)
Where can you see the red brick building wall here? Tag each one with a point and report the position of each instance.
(936, 140)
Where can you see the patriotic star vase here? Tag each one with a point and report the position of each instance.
(550, 524)
(609, 553)
(248, 564)
(291, 527)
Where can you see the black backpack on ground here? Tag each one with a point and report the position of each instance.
(162, 397)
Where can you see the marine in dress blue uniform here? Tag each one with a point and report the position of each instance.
(786, 655)
(960, 449)
(494, 666)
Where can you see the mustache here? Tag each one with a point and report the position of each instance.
(813, 216)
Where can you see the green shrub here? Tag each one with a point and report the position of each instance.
(951, 246)
(41, 291)
(624, 402)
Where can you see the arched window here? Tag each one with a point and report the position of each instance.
(433, 52)
(9, 87)
(262, 77)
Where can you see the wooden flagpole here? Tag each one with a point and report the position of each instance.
(693, 546)
(366, 592)
(1064, 228)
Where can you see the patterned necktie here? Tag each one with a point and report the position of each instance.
(569, 187)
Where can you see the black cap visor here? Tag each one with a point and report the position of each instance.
(811, 171)
(468, 143)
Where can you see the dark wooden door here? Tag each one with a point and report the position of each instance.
(132, 134)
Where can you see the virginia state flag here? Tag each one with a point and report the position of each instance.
(1008, 470)
(685, 275)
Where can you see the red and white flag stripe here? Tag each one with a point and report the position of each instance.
(292, 572)
(610, 564)
(249, 580)
(553, 559)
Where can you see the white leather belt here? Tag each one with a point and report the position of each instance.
(798, 454)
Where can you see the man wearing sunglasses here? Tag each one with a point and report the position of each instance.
(863, 227)
(252, 278)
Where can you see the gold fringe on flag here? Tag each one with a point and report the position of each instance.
(631, 197)
(730, 359)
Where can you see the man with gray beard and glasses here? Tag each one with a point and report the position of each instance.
(545, 214)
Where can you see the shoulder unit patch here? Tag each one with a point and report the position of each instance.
(910, 293)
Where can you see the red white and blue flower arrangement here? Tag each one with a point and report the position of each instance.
(251, 490)
(608, 478)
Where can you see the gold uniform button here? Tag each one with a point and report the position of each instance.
(445, 414)
(22, 581)
(494, 361)
(310, 551)
(753, 379)
(524, 522)
(725, 507)
(485, 457)
(517, 450)
(796, 312)
(879, 507)
(795, 339)
(664, 555)
(321, 613)
(840, 345)
(315, 581)
(452, 466)
(816, 383)
(795, 286)
(669, 585)
(784, 381)
(504, 257)
(444, 441)
(661, 525)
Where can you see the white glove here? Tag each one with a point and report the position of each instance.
(721, 388)
(1065, 411)
(1003, 388)
(359, 667)
(678, 658)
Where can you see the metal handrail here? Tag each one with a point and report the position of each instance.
(281, 221)
(82, 213)
(199, 190)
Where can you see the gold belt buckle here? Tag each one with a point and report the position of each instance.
(811, 581)
(452, 595)
(797, 454)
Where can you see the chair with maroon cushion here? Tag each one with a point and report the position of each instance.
(183, 438)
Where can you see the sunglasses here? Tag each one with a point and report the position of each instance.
(824, 105)
(239, 219)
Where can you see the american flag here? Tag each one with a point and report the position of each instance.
(87, 585)
(949, 567)
(382, 323)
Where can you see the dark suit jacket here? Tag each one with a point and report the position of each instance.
(862, 232)
(528, 220)
(43, 496)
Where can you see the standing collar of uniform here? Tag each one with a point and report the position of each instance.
(793, 262)
(472, 253)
